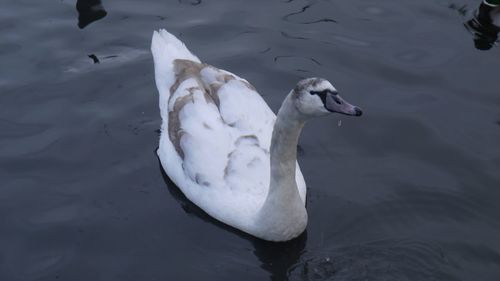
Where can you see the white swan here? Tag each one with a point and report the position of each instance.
(226, 150)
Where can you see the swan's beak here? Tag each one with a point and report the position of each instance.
(335, 103)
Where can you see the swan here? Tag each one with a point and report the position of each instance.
(226, 150)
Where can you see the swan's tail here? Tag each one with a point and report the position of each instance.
(166, 48)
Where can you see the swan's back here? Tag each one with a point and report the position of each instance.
(216, 134)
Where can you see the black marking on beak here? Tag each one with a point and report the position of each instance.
(358, 110)
(323, 94)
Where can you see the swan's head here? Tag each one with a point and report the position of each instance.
(317, 97)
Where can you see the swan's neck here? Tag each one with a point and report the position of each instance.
(283, 212)
(284, 152)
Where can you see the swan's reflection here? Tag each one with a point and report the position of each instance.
(276, 258)
(279, 259)
(89, 11)
(485, 25)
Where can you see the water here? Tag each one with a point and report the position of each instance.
(409, 191)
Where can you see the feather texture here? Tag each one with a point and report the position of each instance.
(216, 134)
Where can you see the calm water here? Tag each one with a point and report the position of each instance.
(410, 191)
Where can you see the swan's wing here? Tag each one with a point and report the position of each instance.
(219, 129)
(215, 116)
(243, 109)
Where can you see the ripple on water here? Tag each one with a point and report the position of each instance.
(75, 149)
(302, 16)
(385, 260)
(55, 215)
(42, 264)
(108, 59)
(31, 142)
(351, 41)
(19, 130)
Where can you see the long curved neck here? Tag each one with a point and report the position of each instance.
(284, 142)
(283, 213)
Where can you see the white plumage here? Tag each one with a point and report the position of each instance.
(215, 144)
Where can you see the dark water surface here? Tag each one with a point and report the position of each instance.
(409, 191)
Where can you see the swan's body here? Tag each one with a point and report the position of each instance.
(224, 147)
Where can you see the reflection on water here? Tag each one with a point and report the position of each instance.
(279, 258)
(485, 25)
(89, 11)
(409, 194)
(275, 258)
(383, 260)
